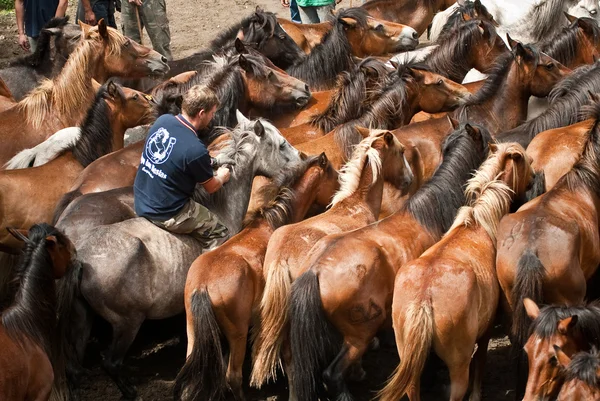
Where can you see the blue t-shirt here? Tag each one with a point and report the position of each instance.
(173, 161)
(37, 15)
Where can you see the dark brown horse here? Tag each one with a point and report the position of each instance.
(30, 354)
(582, 375)
(236, 269)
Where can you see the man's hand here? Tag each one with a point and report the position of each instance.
(136, 2)
(223, 174)
(24, 42)
(90, 17)
(285, 3)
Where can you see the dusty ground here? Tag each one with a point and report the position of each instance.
(160, 349)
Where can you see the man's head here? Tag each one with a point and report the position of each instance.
(199, 105)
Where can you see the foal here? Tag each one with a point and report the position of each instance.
(582, 375)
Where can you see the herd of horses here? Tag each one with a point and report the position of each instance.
(377, 187)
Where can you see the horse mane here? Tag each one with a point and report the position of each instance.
(473, 9)
(585, 366)
(33, 313)
(95, 139)
(435, 204)
(587, 327)
(587, 170)
(351, 172)
(333, 55)
(351, 94)
(385, 111)
(227, 36)
(489, 198)
(542, 19)
(65, 92)
(375, 3)
(450, 57)
(563, 46)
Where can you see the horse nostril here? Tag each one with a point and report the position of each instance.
(163, 59)
(415, 35)
(306, 88)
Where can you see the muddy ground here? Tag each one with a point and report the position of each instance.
(159, 351)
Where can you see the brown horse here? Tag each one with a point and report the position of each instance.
(361, 306)
(6, 97)
(31, 195)
(572, 328)
(575, 45)
(236, 269)
(582, 375)
(415, 13)
(546, 250)
(404, 92)
(64, 101)
(379, 157)
(428, 312)
(30, 358)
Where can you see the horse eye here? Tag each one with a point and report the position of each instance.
(282, 146)
(127, 43)
(553, 361)
(379, 28)
(549, 66)
(135, 97)
(593, 12)
(440, 82)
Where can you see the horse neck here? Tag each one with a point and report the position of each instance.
(368, 194)
(117, 127)
(413, 102)
(98, 135)
(305, 192)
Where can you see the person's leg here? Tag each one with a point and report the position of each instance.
(294, 12)
(324, 12)
(101, 9)
(111, 14)
(129, 21)
(308, 15)
(154, 14)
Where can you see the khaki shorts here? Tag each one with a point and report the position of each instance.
(199, 222)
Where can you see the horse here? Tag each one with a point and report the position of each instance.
(545, 249)
(30, 195)
(378, 157)
(353, 33)
(379, 249)
(240, 261)
(571, 328)
(112, 287)
(415, 13)
(64, 101)
(582, 375)
(30, 352)
(454, 16)
(577, 44)
(56, 42)
(6, 97)
(427, 311)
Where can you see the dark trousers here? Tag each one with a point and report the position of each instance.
(295, 13)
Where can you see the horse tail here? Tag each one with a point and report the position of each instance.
(273, 319)
(314, 341)
(418, 338)
(528, 284)
(203, 374)
(46, 151)
(63, 203)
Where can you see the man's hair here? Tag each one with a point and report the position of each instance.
(199, 97)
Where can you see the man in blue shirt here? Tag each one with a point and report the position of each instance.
(173, 161)
(32, 15)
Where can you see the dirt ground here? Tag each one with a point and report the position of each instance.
(159, 351)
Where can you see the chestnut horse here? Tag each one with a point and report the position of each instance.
(582, 375)
(572, 328)
(575, 45)
(239, 263)
(361, 306)
(64, 101)
(454, 16)
(428, 311)
(378, 157)
(30, 195)
(31, 366)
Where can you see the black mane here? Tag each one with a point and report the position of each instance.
(585, 366)
(563, 46)
(587, 327)
(473, 9)
(436, 203)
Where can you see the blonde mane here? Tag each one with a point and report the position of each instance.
(66, 91)
(488, 197)
(351, 171)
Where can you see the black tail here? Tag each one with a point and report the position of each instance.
(314, 342)
(528, 284)
(202, 377)
(63, 203)
(539, 186)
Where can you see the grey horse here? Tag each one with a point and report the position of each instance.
(132, 270)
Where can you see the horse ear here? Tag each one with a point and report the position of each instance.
(348, 22)
(103, 29)
(85, 28)
(515, 156)
(562, 358)
(259, 129)
(570, 17)
(364, 132)
(416, 74)
(239, 45)
(484, 31)
(18, 233)
(394, 64)
(533, 311)
(51, 241)
(477, 3)
(566, 325)
(112, 90)
(473, 132)
(453, 122)
(240, 35)
(521, 53)
(53, 31)
(388, 137)
(493, 147)
(323, 160)
(586, 26)
(241, 118)
(511, 42)
(594, 97)
(244, 64)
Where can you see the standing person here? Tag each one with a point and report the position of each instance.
(92, 11)
(316, 11)
(32, 15)
(153, 16)
(294, 12)
(174, 160)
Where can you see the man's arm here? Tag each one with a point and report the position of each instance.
(215, 183)
(20, 12)
(90, 17)
(61, 10)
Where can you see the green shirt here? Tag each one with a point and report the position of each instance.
(314, 3)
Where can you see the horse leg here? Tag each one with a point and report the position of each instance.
(478, 365)
(459, 378)
(124, 332)
(237, 353)
(286, 356)
(79, 334)
(349, 358)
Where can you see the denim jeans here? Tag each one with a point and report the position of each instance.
(295, 13)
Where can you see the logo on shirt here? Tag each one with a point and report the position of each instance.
(159, 146)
